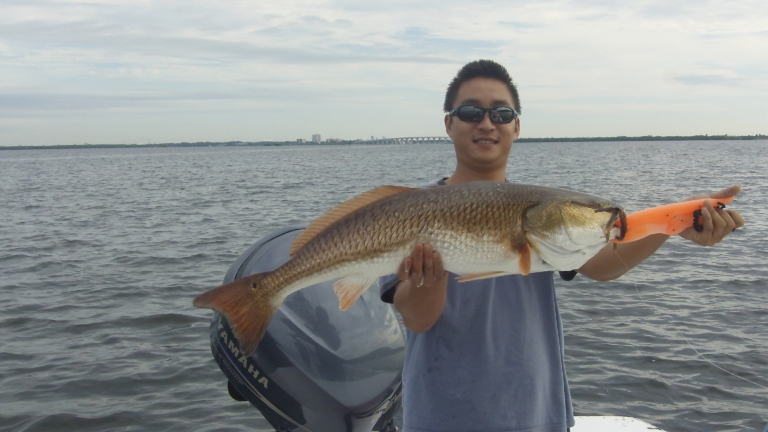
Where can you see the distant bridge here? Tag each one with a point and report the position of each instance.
(411, 140)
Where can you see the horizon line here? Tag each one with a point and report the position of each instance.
(378, 141)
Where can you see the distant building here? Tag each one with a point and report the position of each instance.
(316, 138)
(301, 140)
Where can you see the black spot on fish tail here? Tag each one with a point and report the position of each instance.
(720, 205)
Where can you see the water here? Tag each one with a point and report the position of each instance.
(102, 251)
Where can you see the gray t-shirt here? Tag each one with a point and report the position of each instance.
(493, 361)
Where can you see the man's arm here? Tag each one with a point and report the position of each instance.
(420, 294)
(616, 259)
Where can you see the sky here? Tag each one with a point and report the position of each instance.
(140, 71)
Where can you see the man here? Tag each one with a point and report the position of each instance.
(487, 355)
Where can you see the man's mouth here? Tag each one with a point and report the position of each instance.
(484, 140)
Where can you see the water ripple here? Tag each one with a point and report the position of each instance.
(102, 250)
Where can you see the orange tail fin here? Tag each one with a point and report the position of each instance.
(245, 305)
(668, 219)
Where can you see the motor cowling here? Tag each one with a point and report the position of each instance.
(317, 368)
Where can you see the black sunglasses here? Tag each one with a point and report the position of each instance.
(475, 114)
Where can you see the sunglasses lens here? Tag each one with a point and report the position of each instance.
(469, 113)
(502, 115)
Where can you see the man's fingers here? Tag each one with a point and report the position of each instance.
(719, 225)
(706, 217)
(715, 225)
(438, 260)
(738, 221)
(423, 268)
(727, 192)
(417, 265)
(428, 274)
(405, 269)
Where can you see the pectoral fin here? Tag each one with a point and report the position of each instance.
(350, 288)
(524, 258)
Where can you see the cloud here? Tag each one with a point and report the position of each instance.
(101, 41)
(709, 79)
(369, 60)
(68, 102)
(519, 25)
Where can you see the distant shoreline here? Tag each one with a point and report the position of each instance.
(351, 142)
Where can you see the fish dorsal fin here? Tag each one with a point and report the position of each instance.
(337, 213)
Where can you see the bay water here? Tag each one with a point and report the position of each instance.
(102, 251)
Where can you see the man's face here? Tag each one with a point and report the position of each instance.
(482, 147)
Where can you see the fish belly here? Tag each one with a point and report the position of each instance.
(369, 270)
(461, 254)
(485, 256)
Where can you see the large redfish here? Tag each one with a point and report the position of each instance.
(480, 229)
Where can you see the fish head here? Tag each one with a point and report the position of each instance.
(566, 233)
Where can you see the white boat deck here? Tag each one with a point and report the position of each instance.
(611, 424)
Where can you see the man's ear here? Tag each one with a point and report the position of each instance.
(448, 121)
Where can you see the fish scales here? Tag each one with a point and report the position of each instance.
(402, 220)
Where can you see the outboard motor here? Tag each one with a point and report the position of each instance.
(318, 369)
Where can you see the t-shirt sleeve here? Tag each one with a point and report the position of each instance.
(388, 284)
(568, 275)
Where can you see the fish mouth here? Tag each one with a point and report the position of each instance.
(618, 219)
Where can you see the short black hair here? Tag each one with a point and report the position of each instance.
(480, 69)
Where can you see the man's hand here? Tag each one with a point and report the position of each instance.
(424, 268)
(615, 260)
(716, 223)
(420, 295)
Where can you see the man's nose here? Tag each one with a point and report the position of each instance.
(486, 122)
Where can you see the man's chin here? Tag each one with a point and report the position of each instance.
(487, 159)
(487, 150)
